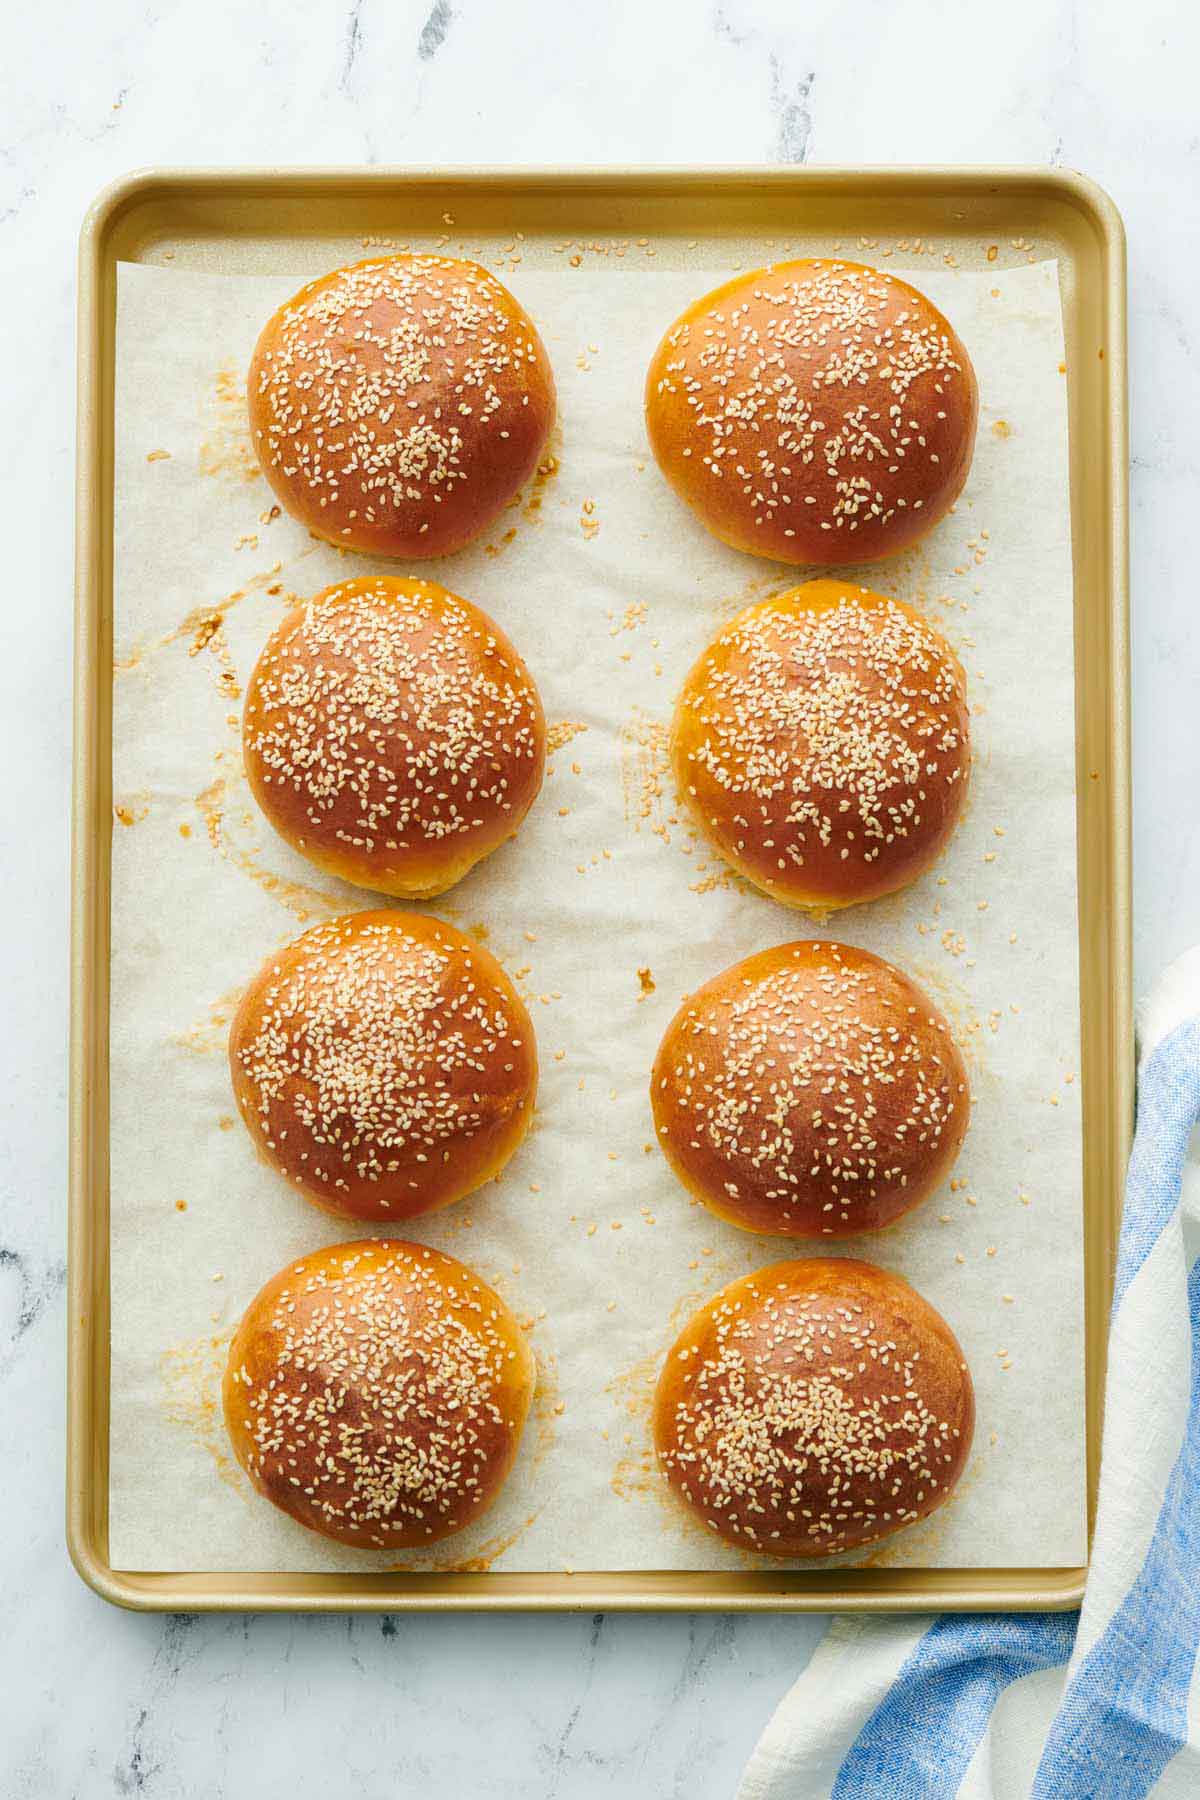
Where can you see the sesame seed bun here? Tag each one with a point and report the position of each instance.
(392, 735)
(814, 1407)
(376, 1392)
(810, 1091)
(822, 742)
(814, 412)
(384, 1064)
(397, 405)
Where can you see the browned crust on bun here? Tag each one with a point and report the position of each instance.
(822, 741)
(376, 1392)
(384, 1064)
(814, 412)
(398, 404)
(810, 1091)
(392, 735)
(812, 1408)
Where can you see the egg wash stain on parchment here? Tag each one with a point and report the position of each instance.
(209, 1035)
(636, 1477)
(200, 622)
(131, 809)
(231, 820)
(635, 1474)
(755, 588)
(528, 503)
(482, 1559)
(231, 824)
(545, 1410)
(226, 447)
(954, 1001)
(906, 576)
(190, 1374)
(652, 804)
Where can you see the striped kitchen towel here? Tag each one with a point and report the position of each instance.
(1103, 1703)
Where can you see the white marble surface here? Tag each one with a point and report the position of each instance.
(97, 1702)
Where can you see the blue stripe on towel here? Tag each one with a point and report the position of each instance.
(1124, 1715)
(919, 1740)
(1168, 1103)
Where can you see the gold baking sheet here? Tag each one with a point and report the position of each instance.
(250, 222)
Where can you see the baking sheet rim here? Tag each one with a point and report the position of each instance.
(791, 1590)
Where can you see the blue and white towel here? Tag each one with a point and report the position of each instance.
(1103, 1703)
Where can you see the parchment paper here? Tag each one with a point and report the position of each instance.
(606, 909)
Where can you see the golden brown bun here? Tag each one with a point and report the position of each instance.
(377, 1392)
(814, 1407)
(823, 743)
(393, 735)
(815, 412)
(810, 1091)
(384, 1064)
(397, 405)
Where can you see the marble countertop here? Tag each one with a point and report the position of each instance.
(100, 1702)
